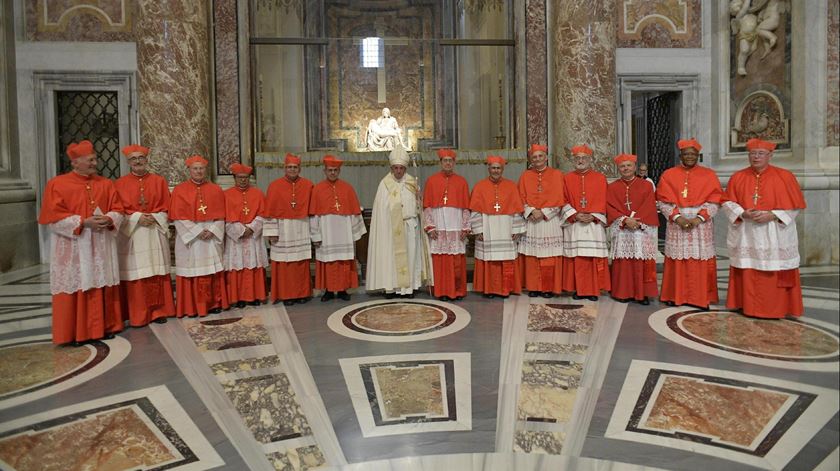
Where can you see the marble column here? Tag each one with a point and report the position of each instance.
(173, 62)
(583, 41)
(536, 86)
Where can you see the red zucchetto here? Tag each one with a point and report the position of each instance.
(196, 159)
(581, 149)
(81, 149)
(756, 143)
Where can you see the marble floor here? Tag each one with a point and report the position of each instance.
(375, 384)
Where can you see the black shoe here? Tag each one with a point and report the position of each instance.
(303, 300)
(108, 336)
(488, 295)
(533, 294)
(344, 295)
(644, 301)
(390, 295)
(239, 304)
(410, 296)
(576, 297)
(160, 320)
(75, 343)
(458, 298)
(444, 298)
(328, 295)
(592, 298)
(546, 294)
(669, 303)
(215, 310)
(277, 301)
(256, 302)
(288, 302)
(623, 301)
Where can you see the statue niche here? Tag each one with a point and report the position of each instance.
(383, 133)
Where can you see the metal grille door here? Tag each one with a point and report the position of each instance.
(91, 115)
(660, 136)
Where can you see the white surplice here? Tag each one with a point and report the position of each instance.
(293, 242)
(497, 233)
(245, 252)
(584, 239)
(770, 246)
(144, 250)
(196, 257)
(83, 261)
(543, 238)
(337, 235)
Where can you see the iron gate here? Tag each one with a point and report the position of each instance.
(91, 115)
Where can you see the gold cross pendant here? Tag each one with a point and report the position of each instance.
(245, 210)
(203, 209)
(685, 193)
(497, 207)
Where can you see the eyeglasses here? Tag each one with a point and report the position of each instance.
(141, 158)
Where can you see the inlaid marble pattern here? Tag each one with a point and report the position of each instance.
(173, 65)
(269, 407)
(803, 344)
(247, 364)
(398, 394)
(548, 390)
(584, 79)
(527, 441)
(32, 367)
(298, 459)
(578, 318)
(832, 75)
(549, 347)
(74, 20)
(659, 23)
(398, 321)
(536, 66)
(227, 333)
(751, 419)
(226, 63)
(144, 429)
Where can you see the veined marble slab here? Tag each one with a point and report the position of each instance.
(398, 321)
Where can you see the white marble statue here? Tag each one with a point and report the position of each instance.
(383, 133)
(754, 23)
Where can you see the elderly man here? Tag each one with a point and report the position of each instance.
(287, 230)
(541, 248)
(643, 173)
(446, 216)
(145, 263)
(688, 196)
(82, 211)
(335, 224)
(397, 255)
(497, 223)
(245, 255)
(585, 266)
(198, 212)
(761, 204)
(631, 214)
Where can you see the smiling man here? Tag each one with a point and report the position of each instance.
(82, 211)
(689, 196)
(761, 204)
(145, 263)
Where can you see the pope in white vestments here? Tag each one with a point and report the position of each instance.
(398, 255)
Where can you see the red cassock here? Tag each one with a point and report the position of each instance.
(586, 276)
(338, 275)
(202, 293)
(289, 200)
(86, 313)
(633, 278)
(150, 298)
(246, 284)
(450, 270)
(689, 280)
(541, 190)
(500, 277)
(765, 293)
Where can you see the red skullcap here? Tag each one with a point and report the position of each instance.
(685, 143)
(496, 159)
(81, 149)
(133, 148)
(581, 149)
(446, 153)
(537, 148)
(196, 159)
(332, 161)
(239, 169)
(292, 159)
(755, 143)
(624, 158)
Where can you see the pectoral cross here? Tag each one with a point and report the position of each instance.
(685, 193)
(583, 202)
(445, 199)
(497, 206)
(245, 210)
(627, 203)
(294, 203)
(203, 208)
(756, 196)
(337, 205)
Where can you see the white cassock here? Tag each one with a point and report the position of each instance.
(766, 247)
(293, 243)
(84, 261)
(497, 231)
(584, 239)
(196, 257)
(245, 252)
(398, 261)
(144, 250)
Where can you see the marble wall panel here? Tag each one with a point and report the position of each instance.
(173, 65)
(226, 63)
(79, 20)
(536, 70)
(659, 23)
(584, 81)
(832, 131)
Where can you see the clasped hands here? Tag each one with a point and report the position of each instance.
(433, 234)
(585, 218)
(758, 216)
(687, 224)
(98, 223)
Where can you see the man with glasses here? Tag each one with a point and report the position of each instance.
(145, 263)
(761, 203)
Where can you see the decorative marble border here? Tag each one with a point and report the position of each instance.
(158, 409)
(341, 322)
(807, 409)
(367, 397)
(104, 355)
(661, 321)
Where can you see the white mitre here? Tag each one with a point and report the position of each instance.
(398, 156)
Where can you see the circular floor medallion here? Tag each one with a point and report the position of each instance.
(398, 321)
(806, 344)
